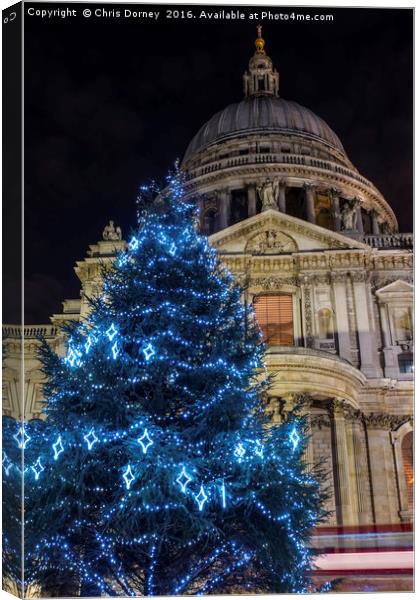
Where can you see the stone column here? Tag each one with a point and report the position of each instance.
(384, 478)
(368, 353)
(341, 316)
(391, 367)
(224, 208)
(359, 220)
(309, 199)
(375, 222)
(335, 194)
(344, 506)
(252, 200)
(308, 454)
(281, 201)
(360, 470)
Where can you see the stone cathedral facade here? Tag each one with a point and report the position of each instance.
(317, 249)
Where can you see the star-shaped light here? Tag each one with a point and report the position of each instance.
(37, 468)
(183, 480)
(259, 449)
(7, 463)
(201, 498)
(294, 438)
(91, 439)
(111, 332)
(134, 243)
(73, 357)
(115, 350)
(239, 450)
(172, 249)
(58, 447)
(22, 438)
(88, 344)
(122, 260)
(148, 352)
(145, 441)
(128, 477)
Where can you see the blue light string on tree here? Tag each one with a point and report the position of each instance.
(181, 406)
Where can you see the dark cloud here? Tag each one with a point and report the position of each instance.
(110, 104)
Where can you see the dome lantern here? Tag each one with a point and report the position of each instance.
(261, 79)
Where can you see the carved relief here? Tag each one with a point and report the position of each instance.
(274, 283)
(270, 242)
(307, 309)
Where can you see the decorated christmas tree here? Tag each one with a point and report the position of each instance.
(157, 470)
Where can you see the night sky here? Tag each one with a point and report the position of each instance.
(111, 103)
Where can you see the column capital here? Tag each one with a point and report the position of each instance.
(305, 278)
(338, 276)
(352, 415)
(336, 407)
(359, 276)
(335, 192)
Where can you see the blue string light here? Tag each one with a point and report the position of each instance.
(223, 494)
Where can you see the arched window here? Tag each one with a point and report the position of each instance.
(274, 313)
(407, 456)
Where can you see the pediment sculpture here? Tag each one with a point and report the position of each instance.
(270, 242)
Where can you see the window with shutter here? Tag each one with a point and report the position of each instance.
(274, 313)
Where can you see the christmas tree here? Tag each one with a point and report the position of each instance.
(158, 471)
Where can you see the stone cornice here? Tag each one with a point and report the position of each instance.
(385, 421)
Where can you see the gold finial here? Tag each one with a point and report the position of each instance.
(259, 42)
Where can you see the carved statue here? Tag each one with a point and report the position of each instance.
(348, 217)
(268, 193)
(110, 233)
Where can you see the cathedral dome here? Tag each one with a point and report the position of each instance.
(265, 114)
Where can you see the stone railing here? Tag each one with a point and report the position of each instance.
(392, 240)
(30, 331)
(302, 351)
(291, 159)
